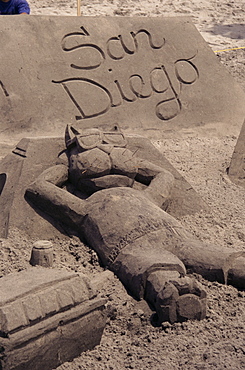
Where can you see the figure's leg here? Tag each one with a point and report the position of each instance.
(214, 263)
(150, 272)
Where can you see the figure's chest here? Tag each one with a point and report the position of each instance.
(96, 162)
(120, 212)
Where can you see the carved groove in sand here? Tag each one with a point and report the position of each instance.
(3, 88)
(93, 98)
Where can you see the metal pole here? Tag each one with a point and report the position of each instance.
(78, 8)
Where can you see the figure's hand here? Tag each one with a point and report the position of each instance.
(160, 188)
(159, 181)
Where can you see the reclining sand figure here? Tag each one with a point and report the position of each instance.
(116, 205)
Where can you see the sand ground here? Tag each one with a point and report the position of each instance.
(129, 341)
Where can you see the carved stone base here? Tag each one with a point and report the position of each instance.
(48, 317)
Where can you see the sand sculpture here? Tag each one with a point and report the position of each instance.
(48, 316)
(115, 202)
(29, 159)
(120, 203)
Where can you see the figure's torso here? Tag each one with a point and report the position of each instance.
(117, 217)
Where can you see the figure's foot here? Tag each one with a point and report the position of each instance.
(175, 298)
(236, 274)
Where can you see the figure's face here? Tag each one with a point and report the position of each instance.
(92, 138)
(94, 154)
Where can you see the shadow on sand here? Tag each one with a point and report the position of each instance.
(233, 31)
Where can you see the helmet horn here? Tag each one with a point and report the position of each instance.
(70, 135)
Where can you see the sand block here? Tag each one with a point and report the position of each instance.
(48, 316)
(237, 166)
(141, 72)
(33, 155)
(17, 170)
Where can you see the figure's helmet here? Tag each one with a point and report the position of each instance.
(93, 137)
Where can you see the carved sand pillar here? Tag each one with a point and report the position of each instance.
(42, 254)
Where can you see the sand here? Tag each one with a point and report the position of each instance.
(129, 340)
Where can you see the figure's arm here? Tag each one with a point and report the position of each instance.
(158, 180)
(46, 193)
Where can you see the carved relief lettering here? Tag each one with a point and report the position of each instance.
(93, 64)
(118, 47)
(4, 89)
(86, 89)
